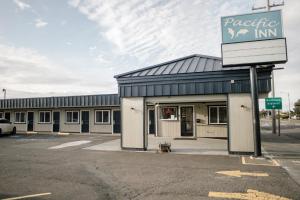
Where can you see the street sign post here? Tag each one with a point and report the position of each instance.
(273, 103)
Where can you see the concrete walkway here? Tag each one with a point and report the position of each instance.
(201, 146)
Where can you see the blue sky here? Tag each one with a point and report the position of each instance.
(56, 47)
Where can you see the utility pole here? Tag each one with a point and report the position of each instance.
(268, 7)
(4, 93)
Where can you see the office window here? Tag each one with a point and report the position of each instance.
(72, 117)
(45, 117)
(169, 113)
(1, 115)
(20, 117)
(217, 114)
(102, 116)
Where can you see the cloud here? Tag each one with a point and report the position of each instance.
(158, 30)
(26, 72)
(21, 5)
(39, 23)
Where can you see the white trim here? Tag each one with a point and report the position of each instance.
(80, 123)
(218, 115)
(72, 111)
(25, 117)
(167, 106)
(44, 122)
(104, 110)
(194, 119)
(148, 119)
(112, 121)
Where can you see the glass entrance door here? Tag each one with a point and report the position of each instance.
(187, 121)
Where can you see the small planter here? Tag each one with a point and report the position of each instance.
(165, 148)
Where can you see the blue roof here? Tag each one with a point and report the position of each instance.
(191, 64)
(61, 102)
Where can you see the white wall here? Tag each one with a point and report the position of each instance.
(132, 119)
(240, 123)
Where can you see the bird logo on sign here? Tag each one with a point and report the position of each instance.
(232, 33)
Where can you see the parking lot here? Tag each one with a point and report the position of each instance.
(63, 167)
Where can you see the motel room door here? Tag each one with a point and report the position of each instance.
(7, 116)
(30, 118)
(56, 120)
(187, 121)
(116, 121)
(85, 121)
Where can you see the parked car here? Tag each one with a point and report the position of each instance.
(7, 127)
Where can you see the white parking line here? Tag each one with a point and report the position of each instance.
(28, 196)
(70, 144)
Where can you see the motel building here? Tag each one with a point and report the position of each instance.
(191, 98)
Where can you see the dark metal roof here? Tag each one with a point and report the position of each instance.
(191, 75)
(191, 64)
(61, 102)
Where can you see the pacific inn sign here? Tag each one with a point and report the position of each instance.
(253, 39)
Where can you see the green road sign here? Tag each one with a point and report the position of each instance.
(252, 27)
(273, 103)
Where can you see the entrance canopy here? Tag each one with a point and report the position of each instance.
(191, 75)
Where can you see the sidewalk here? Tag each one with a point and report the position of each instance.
(285, 149)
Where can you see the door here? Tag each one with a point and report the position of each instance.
(116, 121)
(7, 116)
(187, 121)
(56, 121)
(85, 121)
(30, 118)
(151, 122)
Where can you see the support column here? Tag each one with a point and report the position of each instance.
(255, 111)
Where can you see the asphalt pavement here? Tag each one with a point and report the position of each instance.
(62, 167)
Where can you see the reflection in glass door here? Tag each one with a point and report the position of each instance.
(187, 121)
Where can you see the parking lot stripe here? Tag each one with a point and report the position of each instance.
(28, 196)
(272, 163)
(70, 144)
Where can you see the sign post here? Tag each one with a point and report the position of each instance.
(251, 40)
(255, 112)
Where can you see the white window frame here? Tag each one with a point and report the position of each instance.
(176, 112)
(218, 115)
(109, 114)
(20, 122)
(72, 122)
(44, 122)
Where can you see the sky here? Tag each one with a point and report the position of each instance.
(75, 47)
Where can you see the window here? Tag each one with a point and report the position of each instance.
(1, 115)
(217, 114)
(45, 117)
(20, 117)
(72, 117)
(169, 113)
(102, 116)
